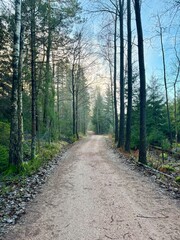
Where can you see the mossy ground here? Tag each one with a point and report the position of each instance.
(45, 153)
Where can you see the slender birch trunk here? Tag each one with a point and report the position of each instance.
(33, 81)
(115, 78)
(20, 98)
(14, 156)
(165, 80)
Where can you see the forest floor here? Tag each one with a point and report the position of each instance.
(95, 195)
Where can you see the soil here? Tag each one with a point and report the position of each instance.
(94, 195)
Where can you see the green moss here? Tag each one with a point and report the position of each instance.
(46, 153)
(177, 179)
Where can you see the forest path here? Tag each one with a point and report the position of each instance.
(94, 195)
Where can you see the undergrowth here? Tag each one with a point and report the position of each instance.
(45, 153)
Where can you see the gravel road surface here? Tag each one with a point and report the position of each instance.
(94, 195)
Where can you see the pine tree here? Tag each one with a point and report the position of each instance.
(156, 121)
(98, 115)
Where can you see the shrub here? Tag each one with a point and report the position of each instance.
(165, 144)
(155, 137)
(46, 153)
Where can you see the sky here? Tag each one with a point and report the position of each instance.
(153, 56)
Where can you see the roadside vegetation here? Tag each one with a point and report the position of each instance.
(44, 99)
(144, 111)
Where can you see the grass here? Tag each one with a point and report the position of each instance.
(45, 154)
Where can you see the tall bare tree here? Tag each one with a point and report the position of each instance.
(129, 59)
(115, 78)
(165, 77)
(175, 94)
(122, 116)
(142, 143)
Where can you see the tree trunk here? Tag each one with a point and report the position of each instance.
(77, 120)
(73, 102)
(129, 56)
(142, 147)
(115, 78)
(165, 80)
(33, 80)
(111, 81)
(48, 73)
(20, 100)
(175, 106)
(112, 98)
(122, 120)
(77, 93)
(58, 98)
(175, 116)
(14, 148)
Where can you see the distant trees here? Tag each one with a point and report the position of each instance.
(98, 115)
(102, 113)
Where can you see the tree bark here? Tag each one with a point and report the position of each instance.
(73, 100)
(129, 56)
(122, 119)
(14, 156)
(77, 117)
(115, 78)
(33, 80)
(142, 147)
(58, 69)
(175, 106)
(20, 100)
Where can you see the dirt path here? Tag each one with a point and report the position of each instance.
(93, 195)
